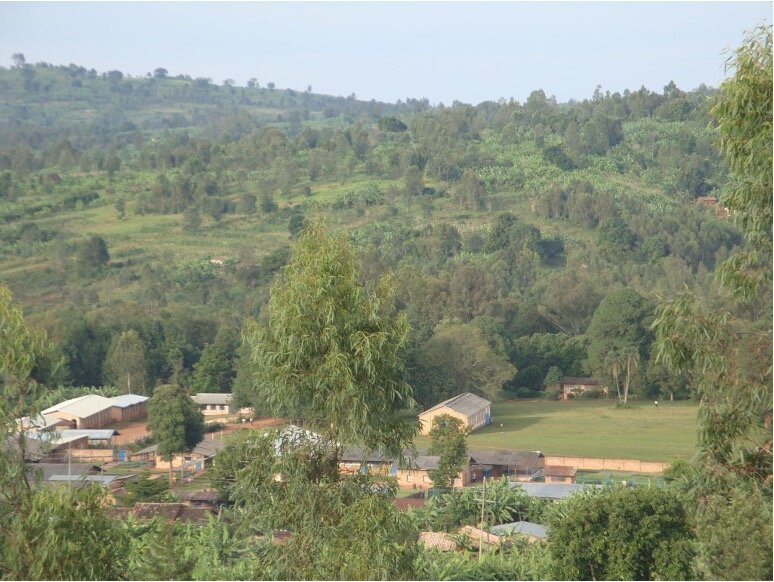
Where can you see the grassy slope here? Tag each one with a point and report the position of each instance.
(590, 428)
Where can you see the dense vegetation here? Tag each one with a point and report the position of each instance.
(506, 225)
(522, 241)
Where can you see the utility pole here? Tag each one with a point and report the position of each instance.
(483, 501)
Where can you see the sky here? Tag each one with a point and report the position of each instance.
(444, 51)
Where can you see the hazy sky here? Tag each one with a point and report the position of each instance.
(465, 51)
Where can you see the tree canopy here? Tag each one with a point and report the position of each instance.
(330, 351)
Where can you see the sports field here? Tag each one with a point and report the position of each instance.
(590, 428)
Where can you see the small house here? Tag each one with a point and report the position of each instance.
(518, 465)
(96, 437)
(559, 474)
(212, 403)
(415, 472)
(472, 410)
(199, 458)
(574, 387)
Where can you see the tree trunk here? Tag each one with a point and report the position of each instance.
(170, 473)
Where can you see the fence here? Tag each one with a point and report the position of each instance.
(594, 464)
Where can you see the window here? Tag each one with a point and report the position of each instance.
(213, 407)
(223, 407)
(426, 479)
(409, 476)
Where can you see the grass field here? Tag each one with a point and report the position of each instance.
(591, 428)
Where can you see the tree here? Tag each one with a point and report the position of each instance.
(18, 60)
(330, 350)
(46, 532)
(622, 321)
(146, 489)
(449, 441)
(457, 359)
(175, 422)
(120, 206)
(192, 220)
(743, 112)
(216, 368)
(125, 365)
(726, 350)
(92, 256)
(621, 534)
(343, 527)
(296, 225)
(160, 73)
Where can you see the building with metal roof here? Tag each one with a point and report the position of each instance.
(125, 400)
(42, 422)
(472, 410)
(552, 490)
(97, 437)
(213, 403)
(90, 411)
(522, 528)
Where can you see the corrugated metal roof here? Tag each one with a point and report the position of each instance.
(520, 527)
(102, 479)
(559, 471)
(552, 490)
(211, 398)
(39, 422)
(53, 438)
(125, 400)
(359, 455)
(83, 407)
(102, 434)
(529, 459)
(63, 404)
(46, 470)
(466, 403)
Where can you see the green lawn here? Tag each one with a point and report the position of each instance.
(590, 428)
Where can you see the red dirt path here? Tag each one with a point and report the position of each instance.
(133, 431)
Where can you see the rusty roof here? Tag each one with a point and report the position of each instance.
(437, 540)
(559, 471)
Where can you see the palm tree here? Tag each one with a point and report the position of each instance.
(614, 365)
(631, 360)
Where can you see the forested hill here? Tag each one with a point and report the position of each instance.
(142, 220)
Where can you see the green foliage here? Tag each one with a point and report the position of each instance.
(145, 489)
(342, 527)
(174, 421)
(63, 534)
(448, 441)
(125, 365)
(330, 352)
(620, 326)
(621, 534)
(456, 359)
(92, 256)
(449, 510)
(215, 370)
(520, 561)
(743, 113)
(726, 350)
